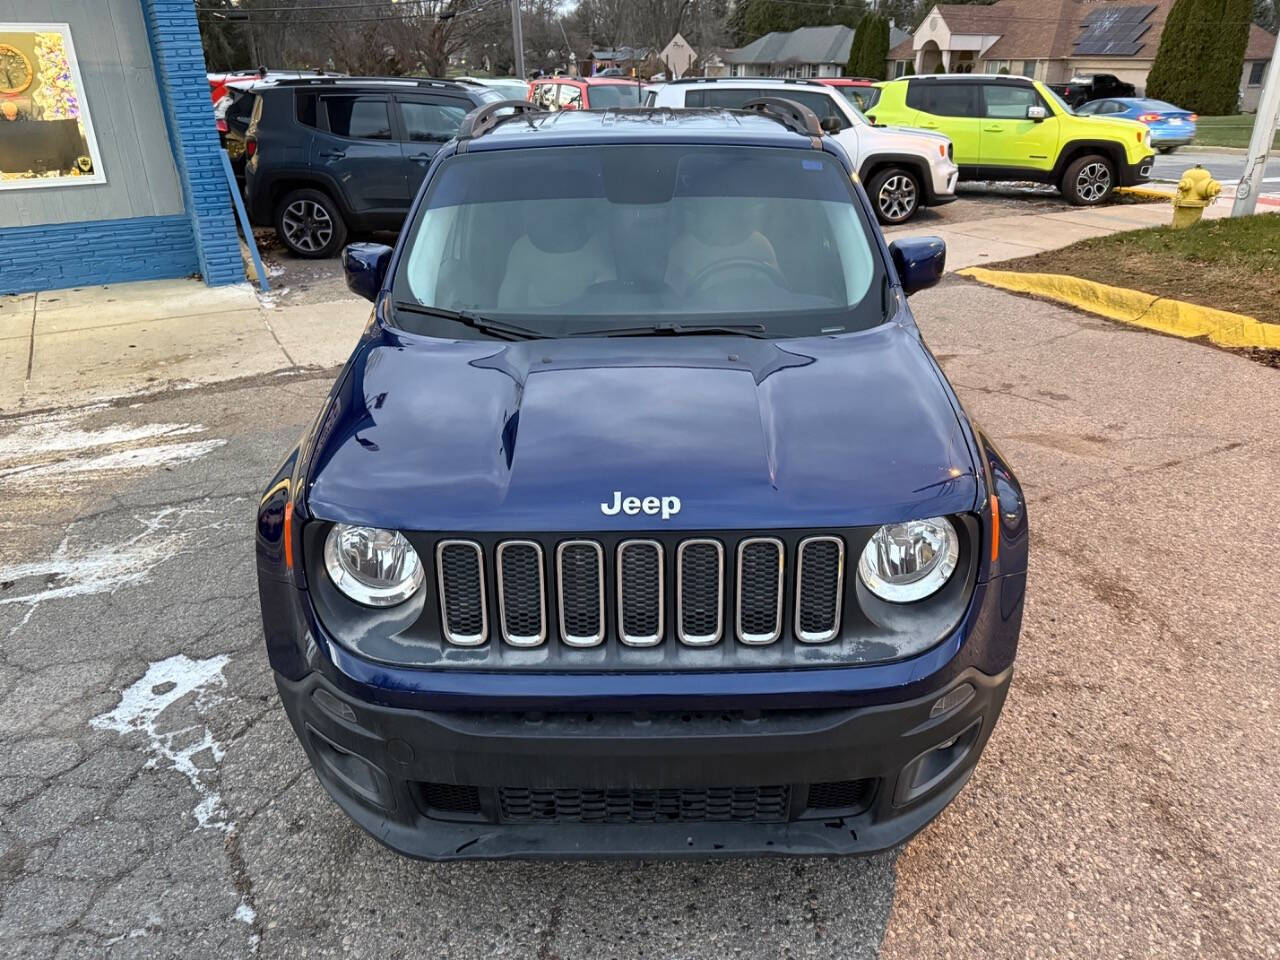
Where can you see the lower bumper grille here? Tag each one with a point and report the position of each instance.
(750, 804)
(689, 805)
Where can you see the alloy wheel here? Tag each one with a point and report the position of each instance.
(1093, 182)
(307, 225)
(897, 197)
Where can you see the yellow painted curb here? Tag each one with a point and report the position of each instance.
(1150, 193)
(1174, 317)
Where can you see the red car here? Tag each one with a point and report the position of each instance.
(862, 92)
(586, 93)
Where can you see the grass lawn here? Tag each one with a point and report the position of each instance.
(1228, 264)
(1227, 131)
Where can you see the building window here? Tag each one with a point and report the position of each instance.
(46, 136)
(1257, 70)
(995, 66)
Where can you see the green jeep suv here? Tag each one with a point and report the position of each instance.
(1013, 128)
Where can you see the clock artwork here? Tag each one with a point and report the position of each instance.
(16, 72)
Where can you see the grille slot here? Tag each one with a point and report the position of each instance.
(819, 588)
(580, 564)
(463, 606)
(640, 593)
(840, 795)
(677, 805)
(760, 590)
(700, 592)
(450, 797)
(521, 593)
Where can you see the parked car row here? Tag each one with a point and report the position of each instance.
(325, 156)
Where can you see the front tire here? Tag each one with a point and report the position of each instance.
(895, 194)
(310, 224)
(1166, 149)
(1089, 180)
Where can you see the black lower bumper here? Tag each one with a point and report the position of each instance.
(1135, 173)
(444, 786)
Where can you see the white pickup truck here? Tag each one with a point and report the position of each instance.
(903, 169)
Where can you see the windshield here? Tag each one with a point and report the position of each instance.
(571, 239)
(862, 98)
(1058, 101)
(601, 96)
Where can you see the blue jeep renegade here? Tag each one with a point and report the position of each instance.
(641, 521)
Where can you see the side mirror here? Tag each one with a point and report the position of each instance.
(919, 261)
(1037, 113)
(831, 125)
(365, 265)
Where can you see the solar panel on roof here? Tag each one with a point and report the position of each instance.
(1114, 31)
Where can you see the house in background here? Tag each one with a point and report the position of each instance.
(807, 52)
(624, 59)
(1054, 40)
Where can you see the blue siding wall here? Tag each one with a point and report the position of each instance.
(57, 255)
(184, 92)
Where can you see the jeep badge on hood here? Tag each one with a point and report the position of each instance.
(669, 506)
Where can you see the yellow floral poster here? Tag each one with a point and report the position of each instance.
(46, 135)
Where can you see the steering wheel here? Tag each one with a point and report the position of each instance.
(703, 276)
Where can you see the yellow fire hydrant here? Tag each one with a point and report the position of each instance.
(1196, 190)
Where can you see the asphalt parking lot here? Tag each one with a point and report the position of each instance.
(154, 802)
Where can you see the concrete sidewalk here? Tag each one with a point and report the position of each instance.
(978, 243)
(61, 346)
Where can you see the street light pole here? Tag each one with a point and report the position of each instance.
(1264, 132)
(517, 37)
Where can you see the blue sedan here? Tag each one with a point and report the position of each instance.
(1170, 126)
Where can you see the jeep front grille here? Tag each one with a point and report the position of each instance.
(580, 573)
(463, 606)
(641, 597)
(819, 583)
(700, 591)
(767, 804)
(697, 591)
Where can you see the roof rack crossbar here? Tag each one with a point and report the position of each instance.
(483, 119)
(748, 80)
(795, 116)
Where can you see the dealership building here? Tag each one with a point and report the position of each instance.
(110, 166)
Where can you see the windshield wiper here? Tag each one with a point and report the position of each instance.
(495, 328)
(672, 329)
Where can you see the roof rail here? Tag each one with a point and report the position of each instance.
(343, 79)
(483, 119)
(804, 80)
(795, 116)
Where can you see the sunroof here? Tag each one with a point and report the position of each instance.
(1113, 30)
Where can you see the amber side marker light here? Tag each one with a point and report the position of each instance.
(288, 535)
(995, 529)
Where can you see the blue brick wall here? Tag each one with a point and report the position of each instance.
(184, 93)
(105, 251)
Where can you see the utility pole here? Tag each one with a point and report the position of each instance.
(517, 37)
(1264, 132)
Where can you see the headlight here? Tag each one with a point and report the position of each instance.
(909, 561)
(378, 568)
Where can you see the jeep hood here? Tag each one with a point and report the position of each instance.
(476, 435)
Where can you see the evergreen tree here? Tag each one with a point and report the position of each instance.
(1201, 55)
(854, 65)
(875, 52)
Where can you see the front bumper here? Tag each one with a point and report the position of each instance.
(1135, 173)
(388, 767)
(941, 187)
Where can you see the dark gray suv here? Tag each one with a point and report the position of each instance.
(329, 156)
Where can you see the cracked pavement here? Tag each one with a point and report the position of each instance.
(154, 801)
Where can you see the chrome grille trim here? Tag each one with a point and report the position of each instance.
(823, 636)
(760, 639)
(522, 641)
(462, 640)
(580, 641)
(643, 640)
(708, 639)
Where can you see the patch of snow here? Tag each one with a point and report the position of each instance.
(102, 569)
(139, 710)
(58, 435)
(138, 458)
